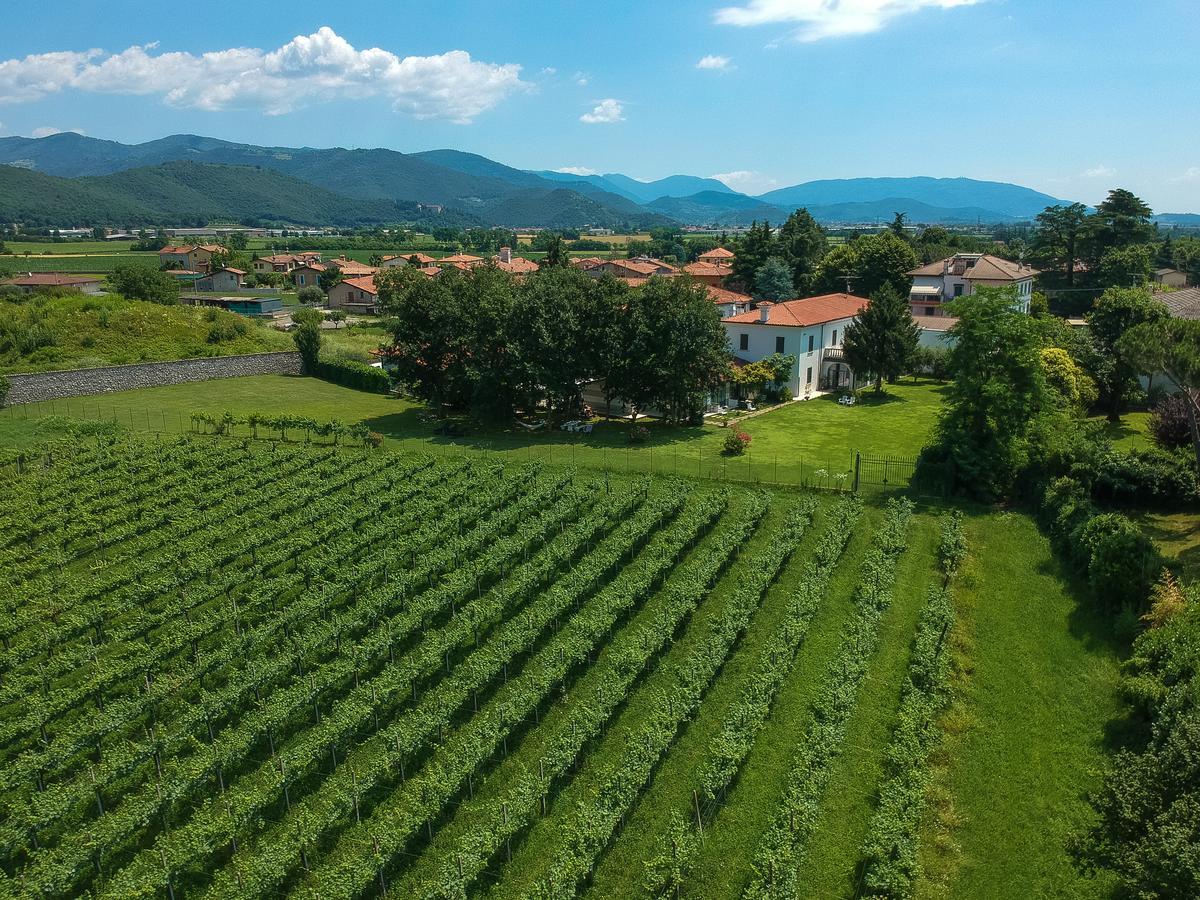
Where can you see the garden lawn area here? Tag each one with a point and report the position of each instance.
(807, 442)
(1131, 433)
(1030, 727)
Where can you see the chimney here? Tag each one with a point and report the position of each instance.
(506, 254)
(764, 311)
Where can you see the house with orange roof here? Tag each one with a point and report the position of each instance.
(282, 263)
(810, 329)
(717, 257)
(31, 282)
(461, 259)
(358, 295)
(308, 274)
(351, 268)
(729, 303)
(708, 273)
(514, 265)
(189, 257)
(406, 259)
(938, 283)
(632, 270)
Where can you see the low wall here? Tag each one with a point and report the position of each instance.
(104, 380)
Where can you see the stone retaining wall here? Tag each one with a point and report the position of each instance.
(82, 382)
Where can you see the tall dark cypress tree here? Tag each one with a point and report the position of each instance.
(882, 339)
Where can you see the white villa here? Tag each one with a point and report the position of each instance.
(959, 275)
(811, 329)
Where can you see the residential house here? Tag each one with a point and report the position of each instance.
(351, 268)
(585, 262)
(811, 330)
(729, 303)
(632, 271)
(283, 263)
(717, 257)
(514, 265)
(419, 259)
(940, 282)
(461, 260)
(223, 279)
(189, 258)
(935, 331)
(708, 273)
(1172, 278)
(307, 275)
(255, 307)
(1183, 304)
(355, 295)
(32, 281)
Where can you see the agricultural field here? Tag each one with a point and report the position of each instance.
(80, 264)
(241, 669)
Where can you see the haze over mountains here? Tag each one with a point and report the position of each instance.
(68, 178)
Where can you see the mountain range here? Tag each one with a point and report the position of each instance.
(69, 178)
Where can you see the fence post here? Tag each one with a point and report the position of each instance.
(857, 469)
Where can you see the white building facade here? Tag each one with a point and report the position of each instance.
(939, 283)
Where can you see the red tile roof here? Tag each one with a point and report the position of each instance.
(462, 258)
(984, 268)
(703, 269)
(518, 265)
(718, 253)
(352, 268)
(365, 284)
(805, 312)
(720, 295)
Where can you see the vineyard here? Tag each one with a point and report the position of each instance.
(239, 670)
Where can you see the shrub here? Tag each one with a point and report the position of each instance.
(639, 434)
(5, 387)
(1121, 560)
(1170, 425)
(351, 374)
(736, 442)
(1146, 478)
(311, 295)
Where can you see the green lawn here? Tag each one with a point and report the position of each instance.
(1131, 433)
(1039, 694)
(808, 442)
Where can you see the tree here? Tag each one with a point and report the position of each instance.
(773, 280)
(1126, 266)
(1060, 229)
(882, 339)
(307, 336)
(330, 277)
(139, 282)
(754, 377)
(310, 295)
(997, 395)
(802, 244)
(336, 316)
(1117, 311)
(869, 262)
(1172, 347)
(897, 226)
(753, 250)
(236, 241)
(1067, 378)
(556, 253)
(1120, 221)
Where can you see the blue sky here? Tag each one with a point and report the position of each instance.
(1072, 97)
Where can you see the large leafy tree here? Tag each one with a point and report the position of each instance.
(753, 250)
(773, 281)
(868, 263)
(673, 349)
(137, 282)
(1126, 266)
(1060, 231)
(802, 244)
(882, 339)
(1122, 220)
(1171, 347)
(998, 392)
(1117, 311)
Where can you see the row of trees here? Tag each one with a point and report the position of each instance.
(484, 343)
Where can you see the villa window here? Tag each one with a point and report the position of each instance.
(834, 344)
(808, 380)
(810, 346)
(958, 290)
(743, 342)
(779, 344)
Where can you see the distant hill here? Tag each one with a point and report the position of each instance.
(643, 191)
(179, 193)
(716, 208)
(993, 197)
(447, 178)
(1184, 220)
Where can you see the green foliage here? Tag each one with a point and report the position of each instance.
(5, 387)
(1126, 266)
(736, 442)
(307, 336)
(752, 251)
(869, 262)
(802, 244)
(310, 295)
(997, 394)
(1122, 561)
(353, 374)
(136, 282)
(1149, 804)
(330, 277)
(1118, 311)
(881, 341)
(773, 281)
(1170, 423)
(666, 870)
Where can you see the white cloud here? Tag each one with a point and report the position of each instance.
(549, 71)
(1100, 171)
(1192, 174)
(582, 78)
(47, 130)
(721, 63)
(746, 181)
(605, 113)
(307, 69)
(577, 170)
(819, 19)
